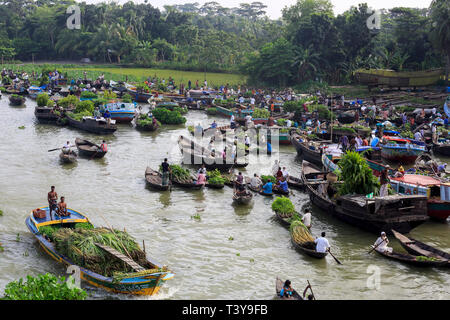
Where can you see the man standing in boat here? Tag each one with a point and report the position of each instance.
(52, 198)
(165, 172)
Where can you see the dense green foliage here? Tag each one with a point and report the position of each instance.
(88, 95)
(259, 113)
(42, 99)
(283, 205)
(215, 177)
(69, 101)
(85, 105)
(357, 175)
(166, 116)
(264, 179)
(42, 287)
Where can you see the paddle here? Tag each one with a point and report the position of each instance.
(170, 182)
(309, 286)
(377, 246)
(60, 148)
(334, 256)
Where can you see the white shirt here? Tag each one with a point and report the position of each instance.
(285, 173)
(252, 101)
(307, 219)
(255, 182)
(247, 140)
(381, 245)
(232, 118)
(288, 123)
(321, 244)
(418, 136)
(248, 119)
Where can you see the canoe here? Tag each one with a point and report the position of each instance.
(418, 248)
(284, 221)
(16, 101)
(89, 149)
(68, 158)
(45, 115)
(412, 260)
(149, 127)
(147, 284)
(307, 251)
(91, 124)
(305, 151)
(442, 149)
(242, 199)
(188, 184)
(154, 179)
(279, 191)
(279, 285)
(294, 182)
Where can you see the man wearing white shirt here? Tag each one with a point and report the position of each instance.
(288, 123)
(322, 244)
(306, 219)
(285, 173)
(252, 101)
(241, 99)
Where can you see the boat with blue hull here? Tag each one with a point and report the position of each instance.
(120, 111)
(141, 283)
(401, 150)
(34, 91)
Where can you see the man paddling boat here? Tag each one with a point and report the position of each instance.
(381, 244)
(322, 244)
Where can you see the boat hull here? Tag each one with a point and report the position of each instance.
(402, 155)
(91, 127)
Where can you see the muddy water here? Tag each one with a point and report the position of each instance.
(207, 263)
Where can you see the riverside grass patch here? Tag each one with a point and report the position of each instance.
(116, 73)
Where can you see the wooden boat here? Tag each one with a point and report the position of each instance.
(308, 251)
(193, 153)
(68, 157)
(436, 192)
(284, 221)
(89, 149)
(442, 148)
(91, 124)
(34, 91)
(210, 185)
(294, 182)
(375, 215)
(418, 248)
(279, 285)
(346, 117)
(276, 190)
(412, 260)
(147, 127)
(147, 284)
(242, 199)
(308, 152)
(188, 184)
(45, 115)
(380, 77)
(400, 150)
(16, 100)
(139, 96)
(154, 179)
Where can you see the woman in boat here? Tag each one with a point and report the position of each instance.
(104, 146)
(201, 179)
(287, 290)
(279, 174)
(381, 243)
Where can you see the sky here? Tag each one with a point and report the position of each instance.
(274, 7)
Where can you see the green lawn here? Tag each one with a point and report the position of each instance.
(139, 74)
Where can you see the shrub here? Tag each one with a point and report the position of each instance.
(79, 115)
(50, 103)
(68, 101)
(86, 105)
(43, 287)
(168, 117)
(42, 99)
(283, 205)
(88, 95)
(292, 106)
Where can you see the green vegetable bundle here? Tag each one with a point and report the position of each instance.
(69, 101)
(211, 111)
(300, 233)
(264, 179)
(88, 95)
(79, 116)
(215, 177)
(284, 207)
(357, 175)
(423, 258)
(79, 246)
(168, 117)
(42, 99)
(260, 113)
(179, 172)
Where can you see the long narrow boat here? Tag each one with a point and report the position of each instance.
(139, 96)
(309, 152)
(285, 221)
(442, 148)
(188, 184)
(308, 251)
(400, 150)
(378, 214)
(68, 157)
(417, 248)
(154, 179)
(45, 115)
(242, 199)
(413, 260)
(279, 286)
(89, 149)
(436, 192)
(91, 124)
(147, 284)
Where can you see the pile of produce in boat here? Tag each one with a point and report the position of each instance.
(284, 207)
(264, 179)
(357, 175)
(423, 258)
(79, 245)
(301, 235)
(145, 120)
(215, 177)
(179, 173)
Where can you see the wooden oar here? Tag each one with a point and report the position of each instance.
(377, 246)
(310, 288)
(334, 256)
(60, 148)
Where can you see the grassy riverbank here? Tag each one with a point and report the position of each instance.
(136, 74)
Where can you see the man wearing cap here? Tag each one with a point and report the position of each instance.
(381, 243)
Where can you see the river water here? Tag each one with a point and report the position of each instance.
(230, 253)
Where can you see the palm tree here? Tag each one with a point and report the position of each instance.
(305, 61)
